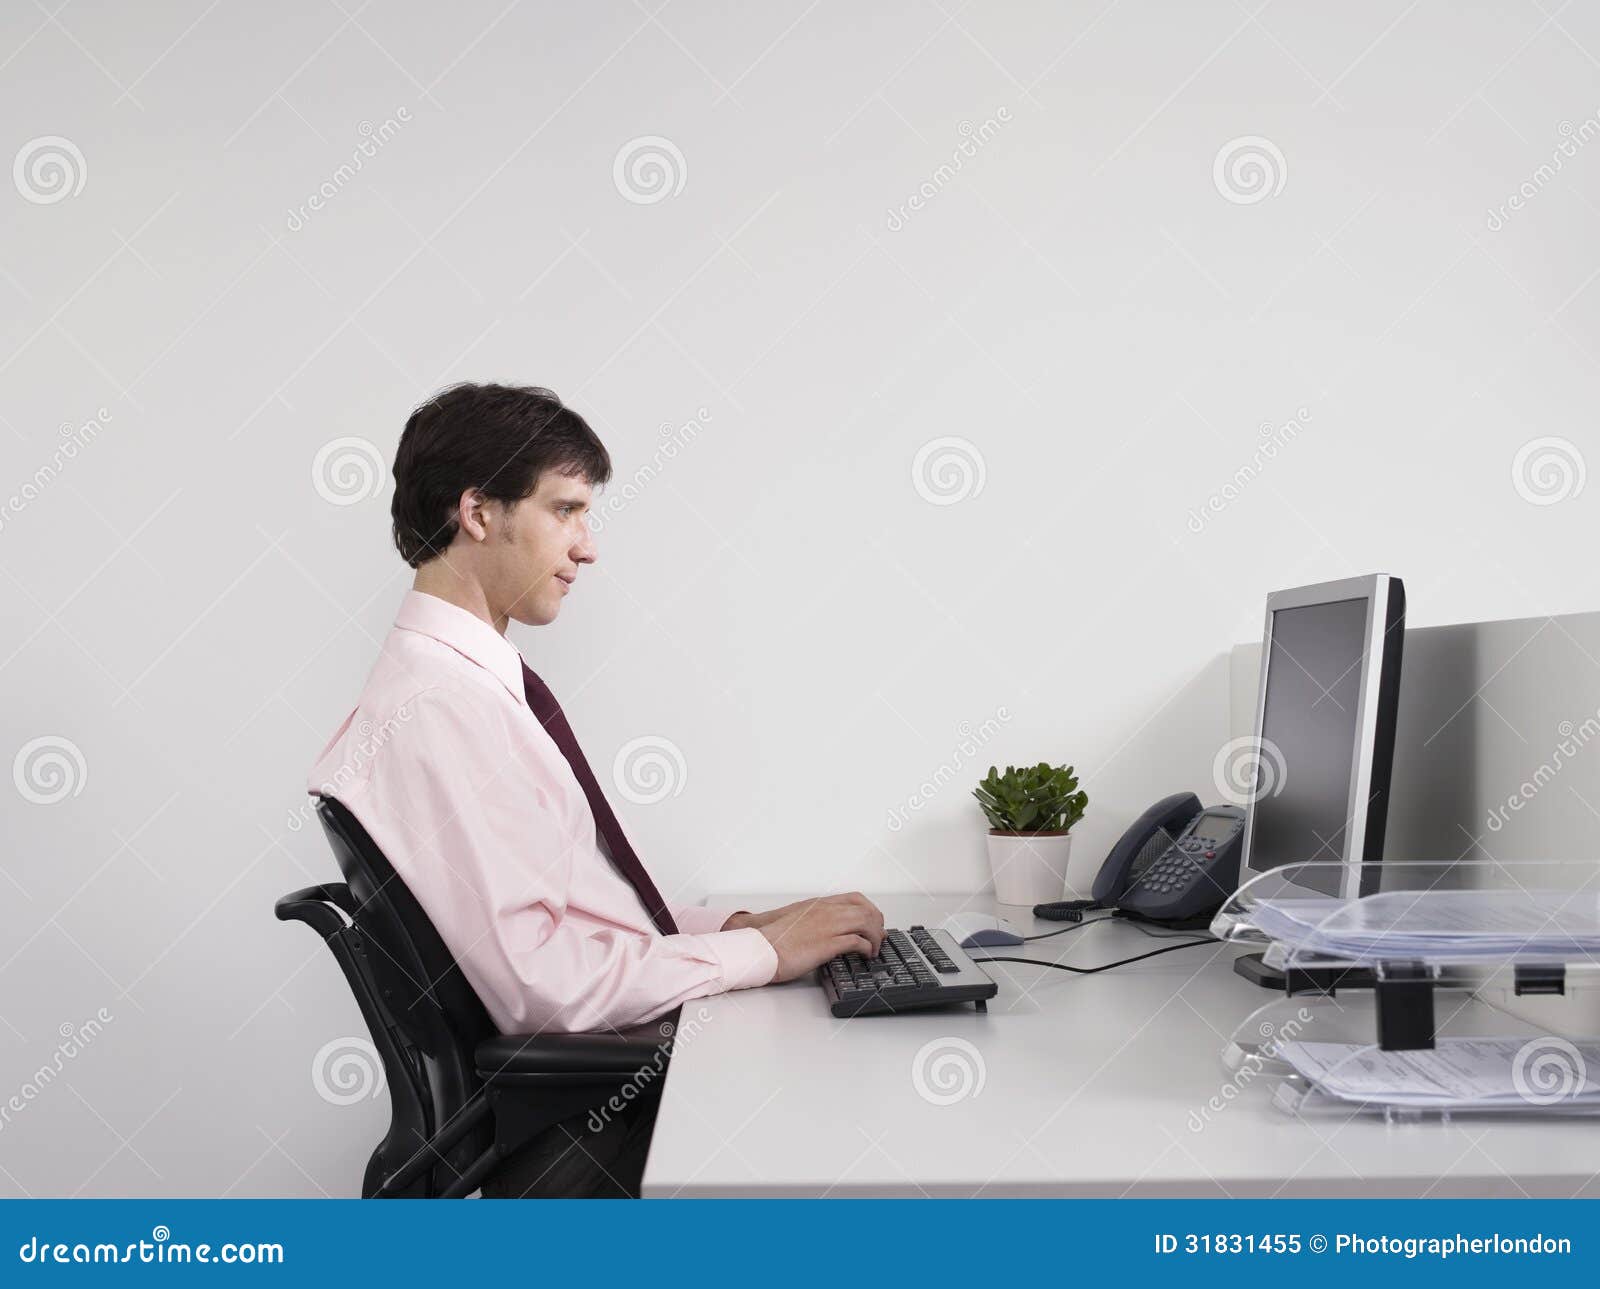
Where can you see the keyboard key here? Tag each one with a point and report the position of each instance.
(909, 971)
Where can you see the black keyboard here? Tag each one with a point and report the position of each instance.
(914, 968)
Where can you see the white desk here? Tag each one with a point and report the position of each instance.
(1089, 1085)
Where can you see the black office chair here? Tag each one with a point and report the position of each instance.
(464, 1096)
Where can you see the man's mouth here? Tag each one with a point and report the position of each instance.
(566, 582)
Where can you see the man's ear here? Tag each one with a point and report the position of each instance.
(472, 514)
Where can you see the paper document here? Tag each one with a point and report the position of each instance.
(1438, 926)
(1460, 1072)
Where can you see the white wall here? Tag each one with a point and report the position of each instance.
(1080, 302)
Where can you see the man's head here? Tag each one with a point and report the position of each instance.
(492, 482)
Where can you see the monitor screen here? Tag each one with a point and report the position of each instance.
(1309, 723)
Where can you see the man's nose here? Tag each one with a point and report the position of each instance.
(584, 552)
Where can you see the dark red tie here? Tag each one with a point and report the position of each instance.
(549, 714)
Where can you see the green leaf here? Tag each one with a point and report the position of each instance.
(1035, 798)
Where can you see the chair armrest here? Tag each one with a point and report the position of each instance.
(311, 906)
(511, 1058)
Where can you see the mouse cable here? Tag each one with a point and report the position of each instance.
(1089, 971)
(1076, 926)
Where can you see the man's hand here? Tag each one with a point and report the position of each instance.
(759, 920)
(809, 932)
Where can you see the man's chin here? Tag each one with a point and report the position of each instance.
(535, 615)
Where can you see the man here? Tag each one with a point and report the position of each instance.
(461, 766)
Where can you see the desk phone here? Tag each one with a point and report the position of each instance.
(1176, 863)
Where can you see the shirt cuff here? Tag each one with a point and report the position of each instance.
(746, 957)
(697, 919)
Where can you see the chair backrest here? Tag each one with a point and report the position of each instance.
(420, 989)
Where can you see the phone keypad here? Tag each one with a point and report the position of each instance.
(1182, 861)
(1173, 871)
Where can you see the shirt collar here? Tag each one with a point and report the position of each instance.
(466, 633)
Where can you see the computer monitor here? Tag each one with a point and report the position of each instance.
(1324, 730)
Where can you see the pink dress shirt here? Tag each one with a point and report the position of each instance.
(447, 769)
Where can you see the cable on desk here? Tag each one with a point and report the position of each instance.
(1089, 971)
(1076, 926)
(1142, 929)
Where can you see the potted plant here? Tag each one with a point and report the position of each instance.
(1031, 810)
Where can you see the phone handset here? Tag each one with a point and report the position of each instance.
(1145, 840)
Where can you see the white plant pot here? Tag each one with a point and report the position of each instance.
(1029, 868)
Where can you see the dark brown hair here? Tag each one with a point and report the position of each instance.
(498, 439)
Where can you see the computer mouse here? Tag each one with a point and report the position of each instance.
(980, 930)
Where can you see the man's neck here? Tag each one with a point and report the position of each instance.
(438, 579)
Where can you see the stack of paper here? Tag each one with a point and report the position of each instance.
(1437, 926)
(1459, 1073)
